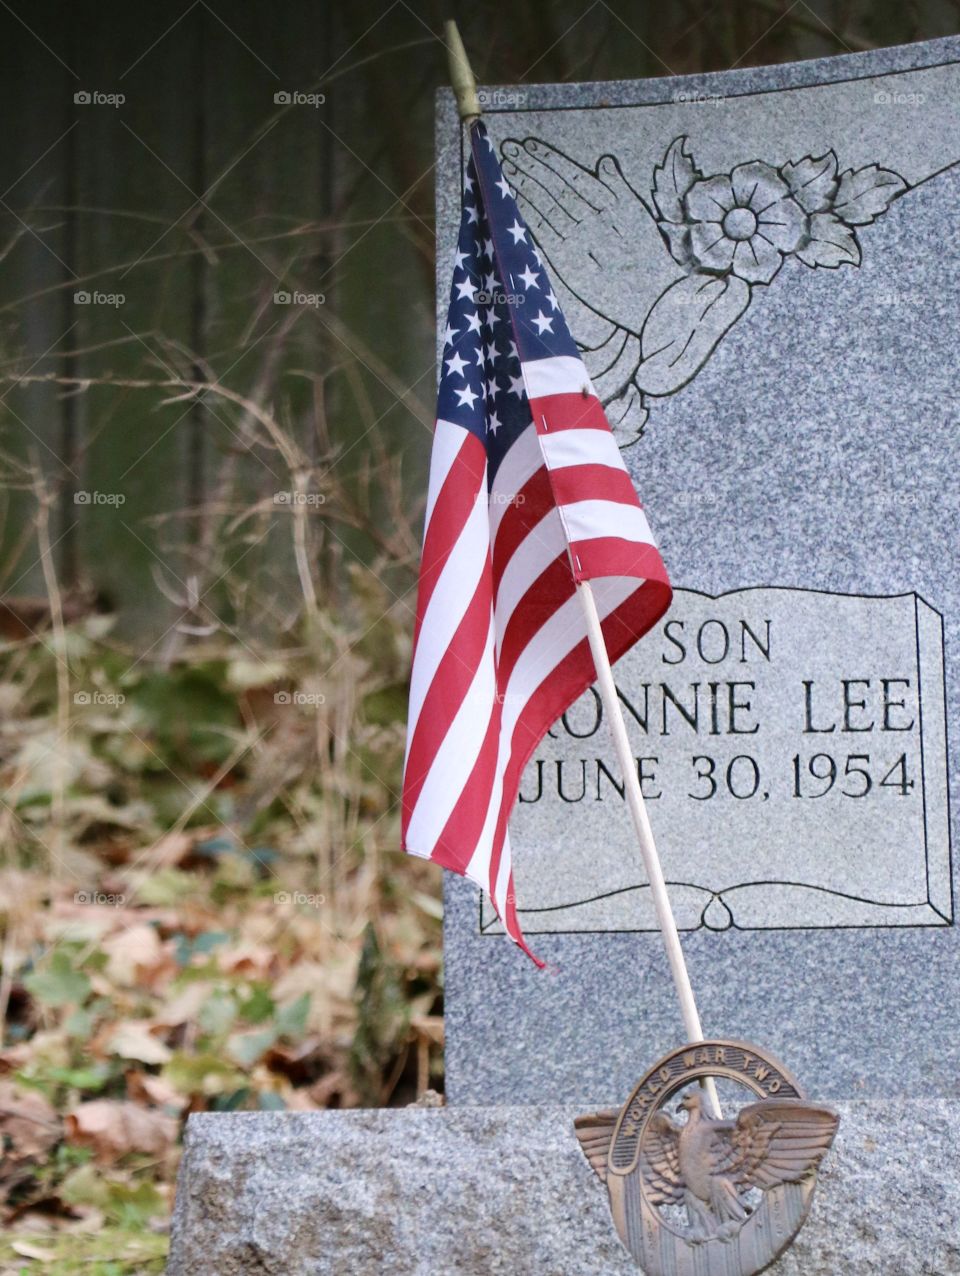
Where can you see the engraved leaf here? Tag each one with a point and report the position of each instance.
(673, 178)
(678, 240)
(831, 243)
(866, 193)
(813, 182)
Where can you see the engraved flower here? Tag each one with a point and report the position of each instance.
(743, 223)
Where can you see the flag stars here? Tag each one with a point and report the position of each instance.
(465, 289)
(467, 397)
(482, 385)
(529, 278)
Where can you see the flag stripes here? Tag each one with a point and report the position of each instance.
(528, 495)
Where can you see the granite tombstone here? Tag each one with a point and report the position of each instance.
(762, 269)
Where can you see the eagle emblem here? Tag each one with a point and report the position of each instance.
(708, 1194)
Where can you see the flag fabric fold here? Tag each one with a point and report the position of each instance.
(528, 494)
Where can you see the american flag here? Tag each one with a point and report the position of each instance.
(528, 494)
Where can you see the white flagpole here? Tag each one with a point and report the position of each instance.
(468, 105)
(638, 810)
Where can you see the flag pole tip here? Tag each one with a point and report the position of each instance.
(461, 75)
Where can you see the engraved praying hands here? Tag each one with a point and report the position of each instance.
(651, 284)
(644, 322)
(594, 228)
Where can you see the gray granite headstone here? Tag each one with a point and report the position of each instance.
(762, 268)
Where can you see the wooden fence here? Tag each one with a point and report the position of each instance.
(169, 172)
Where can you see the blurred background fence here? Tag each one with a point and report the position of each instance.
(170, 173)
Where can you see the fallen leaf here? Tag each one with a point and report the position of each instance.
(184, 1005)
(14, 1057)
(170, 850)
(132, 954)
(328, 983)
(142, 1087)
(49, 1048)
(334, 1090)
(88, 1219)
(100, 919)
(82, 924)
(247, 959)
(84, 1188)
(26, 1250)
(300, 1101)
(58, 983)
(246, 1048)
(299, 1064)
(203, 1074)
(114, 1127)
(29, 1128)
(432, 906)
(291, 1019)
(134, 1040)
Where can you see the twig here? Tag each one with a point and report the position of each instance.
(178, 254)
(58, 796)
(816, 26)
(289, 450)
(6, 974)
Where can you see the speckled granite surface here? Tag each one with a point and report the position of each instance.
(476, 1191)
(815, 447)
